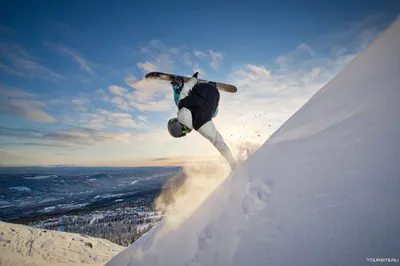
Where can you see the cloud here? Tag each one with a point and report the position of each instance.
(83, 64)
(102, 118)
(174, 51)
(25, 63)
(34, 69)
(121, 103)
(19, 132)
(127, 122)
(80, 101)
(266, 98)
(368, 35)
(301, 53)
(187, 59)
(117, 90)
(160, 57)
(14, 51)
(103, 95)
(78, 59)
(9, 70)
(29, 109)
(34, 144)
(148, 67)
(162, 62)
(305, 47)
(151, 95)
(196, 68)
(144, 95)
(9, 158)
(352, 35)
(87, 136)
(19, 103)
(216, 58)
(143, 118)
(81, 106)
(200, 54)
(77, 136)
(160, 159)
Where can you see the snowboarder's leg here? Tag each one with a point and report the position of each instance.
(177, 85)
(215, 98)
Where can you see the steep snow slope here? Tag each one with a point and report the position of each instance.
(323, 190)
(23, 245)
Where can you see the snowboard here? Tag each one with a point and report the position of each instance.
(172, 77)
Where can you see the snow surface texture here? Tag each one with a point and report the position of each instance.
(323, 190)
(23, 245)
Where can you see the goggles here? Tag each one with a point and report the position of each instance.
(185, 130)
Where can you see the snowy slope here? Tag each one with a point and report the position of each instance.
(323, 190)
(23, 245)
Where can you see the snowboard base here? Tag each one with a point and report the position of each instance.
(171, 77)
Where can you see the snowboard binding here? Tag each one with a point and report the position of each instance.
(177, 84)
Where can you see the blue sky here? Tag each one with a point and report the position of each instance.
(71, 73)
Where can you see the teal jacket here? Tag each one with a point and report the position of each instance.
(176, 99)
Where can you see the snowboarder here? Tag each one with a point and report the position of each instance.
(198, 104)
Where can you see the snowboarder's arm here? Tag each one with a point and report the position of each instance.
(210, 132)
(185, 117)
(186, 88)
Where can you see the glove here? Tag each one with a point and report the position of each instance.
(195, 74)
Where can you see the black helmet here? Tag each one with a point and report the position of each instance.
(176, 129)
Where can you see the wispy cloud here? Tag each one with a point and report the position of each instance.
(216, 58)
(162, 62)
(196, 68)
(9, 70)
(76, 136)
(116, 118)
(187, 59)
(25, 63)
(84, 64)
(268, 97)
(174, 51)
(81, 104)
(143, 118)
(302, 52)
(200, 54)
(34, 144)
(149, 67)
(80, 101)
(161, 57)
(143, 95)
(19, 103)
(353, 35)
(101, 118)
(149, 95)
(306, 48)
